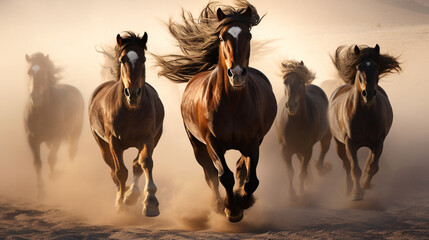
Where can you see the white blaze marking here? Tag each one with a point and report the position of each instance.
(132, 56)
(368, 64)
(35, 68)
(234, 31)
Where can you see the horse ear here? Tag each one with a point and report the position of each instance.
(377, 49)
(119, 40)
(220, 14)
(143, 40)
(27, 58)
(357, 50)
(248, 12)
(302, 63)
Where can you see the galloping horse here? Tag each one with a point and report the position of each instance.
(303, 121)
(54, 113)
(360, 113)
(226, 104)
(127, 112)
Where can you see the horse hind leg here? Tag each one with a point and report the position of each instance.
(371, 167)
(210, 172)
(133, 193)
(324, 167)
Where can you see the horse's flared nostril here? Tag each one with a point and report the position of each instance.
(138, 92)
(244, 72)
(127, 92)
(364, 93)
(230, 73)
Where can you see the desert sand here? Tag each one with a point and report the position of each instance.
(80, 201)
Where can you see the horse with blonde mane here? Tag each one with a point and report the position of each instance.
(226, 104)
(54, 113)
(360, 113)
(303, 121)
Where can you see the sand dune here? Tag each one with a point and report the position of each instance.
(80, 201)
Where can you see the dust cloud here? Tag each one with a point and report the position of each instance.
(70, 31)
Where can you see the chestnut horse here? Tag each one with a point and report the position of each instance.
(360, 113)
(303, 121)
(127, 112)
(54, 113)
(226, 104)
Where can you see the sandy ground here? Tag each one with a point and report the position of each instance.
(80, 199)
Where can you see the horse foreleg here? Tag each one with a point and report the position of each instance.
(305, 159)
(52, 157)
(356, 172)
(251, 183)
(241, 171)
(121, 171)
(232, 211)
(150, 203)
(372, 164)
(341, 151)
(35, 149)
(133, 193)
(287, 156)
(325, 143)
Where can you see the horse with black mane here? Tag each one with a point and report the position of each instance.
(360, 113)
(54, 113)
(303, 121)
(226, 104)
(127, 112)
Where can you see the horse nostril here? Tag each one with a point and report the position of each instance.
(230, 73)
(364, 93)
(139, 91)
(127, 92)
(244, 72)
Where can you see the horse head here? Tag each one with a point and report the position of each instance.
(39, 73)
(132, 66)
(367, 76)
(234, 48)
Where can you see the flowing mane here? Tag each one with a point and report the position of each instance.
(346, 60)
(292, 66)
(44, 61)
(198, 39)
(112, 55)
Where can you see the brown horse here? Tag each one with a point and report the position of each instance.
(360, 113)
(54, 113)
(303, 121)
(124, 113)
(226, 104)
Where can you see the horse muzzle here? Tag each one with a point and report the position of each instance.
(237, 76)
(291, 108)
(369, 95)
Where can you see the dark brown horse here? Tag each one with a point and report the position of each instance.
(360, 113)
(303, 121)
(127, 112)
(54, 113)
(226, 104)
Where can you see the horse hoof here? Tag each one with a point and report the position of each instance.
(150, 211)
(324, 169)
(357, 195)
(132, 195)
(234, 218)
